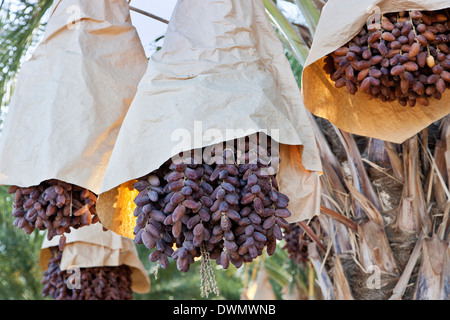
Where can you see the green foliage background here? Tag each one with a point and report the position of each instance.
(21, 24)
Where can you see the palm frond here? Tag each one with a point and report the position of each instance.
(296, 45)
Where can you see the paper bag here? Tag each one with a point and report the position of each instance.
(221, 68)
(340, 21)
(90, 247)
(72, 95)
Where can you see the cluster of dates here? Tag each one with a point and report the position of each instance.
(403, 58)
(97, 283)
(53, 205)
(296, 244)
(227, 210)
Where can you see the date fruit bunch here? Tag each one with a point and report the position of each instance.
(227, 211)
(97, 283)
(296, 243)
(403, 58)
(53, 205)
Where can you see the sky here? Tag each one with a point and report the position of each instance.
(148, 28)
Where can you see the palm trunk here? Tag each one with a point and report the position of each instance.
(400, 248)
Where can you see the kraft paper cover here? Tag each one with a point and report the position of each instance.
(92, 247)
(72, 95)
(340, 21)
(221, 67)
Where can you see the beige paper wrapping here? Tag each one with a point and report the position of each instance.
(340, 21)
(90, 247)
(221, 67)
(71, 96)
